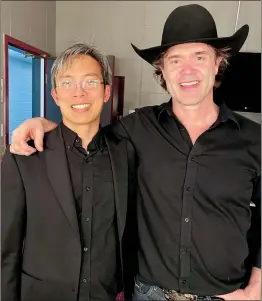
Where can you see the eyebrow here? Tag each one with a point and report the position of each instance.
(174, 56)
(200, 52)
(85, 75)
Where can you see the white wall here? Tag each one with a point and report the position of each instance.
(32, 22)
(113, 25)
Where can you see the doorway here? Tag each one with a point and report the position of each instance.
(25, 83)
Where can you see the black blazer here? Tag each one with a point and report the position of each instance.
(41, 249)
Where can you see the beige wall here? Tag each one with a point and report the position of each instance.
(250, 13)
(113, 25)
(32, 22)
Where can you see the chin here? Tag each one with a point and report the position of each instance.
(79, 121)
(189, 102)
(85, 121)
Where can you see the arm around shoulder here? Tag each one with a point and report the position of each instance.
(125, 127)
(31, 129)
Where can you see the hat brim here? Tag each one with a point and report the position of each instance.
(235, 42)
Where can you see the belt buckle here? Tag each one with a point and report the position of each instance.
(172, 295)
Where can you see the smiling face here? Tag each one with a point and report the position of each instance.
(79, 92)
(189, 71)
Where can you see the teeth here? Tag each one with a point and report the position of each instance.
(189, 84)
(82, 106)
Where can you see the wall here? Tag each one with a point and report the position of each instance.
(32, 22)
(20, 89)
(113, 25)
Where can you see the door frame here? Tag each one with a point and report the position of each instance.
(10, 41)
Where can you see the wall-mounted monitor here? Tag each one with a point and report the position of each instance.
(241, 83)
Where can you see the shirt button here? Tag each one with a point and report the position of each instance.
(186, 220)
(188, 188)
(184, 281)
(77, 140)
(87, 188)
(87, 219)
(193, 159)
(183, 251)
(85, 249)
(88, 152)
(84, 280)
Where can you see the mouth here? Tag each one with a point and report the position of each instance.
(191, 84)
(81, 107)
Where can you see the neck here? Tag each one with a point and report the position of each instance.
(199, 115)
(85, 131)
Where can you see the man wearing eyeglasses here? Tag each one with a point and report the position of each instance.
(64, 209)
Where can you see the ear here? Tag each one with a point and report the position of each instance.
(218, 62)
(163, 73)
(107, 93)
(55, 96)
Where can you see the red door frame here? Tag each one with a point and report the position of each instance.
(10, 41)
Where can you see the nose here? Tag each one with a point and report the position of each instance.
(79, 91)
(187, 68)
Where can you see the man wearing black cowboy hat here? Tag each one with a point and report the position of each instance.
(198, 172)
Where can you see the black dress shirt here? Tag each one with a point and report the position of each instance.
(196, 202)
(92, 183)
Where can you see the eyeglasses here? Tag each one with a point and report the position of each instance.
(88, 85)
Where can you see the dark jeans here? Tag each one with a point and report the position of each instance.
(144, 291)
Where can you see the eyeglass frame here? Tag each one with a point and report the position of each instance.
(97, 81)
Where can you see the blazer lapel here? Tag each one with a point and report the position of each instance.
(58, 175)
(118, 157)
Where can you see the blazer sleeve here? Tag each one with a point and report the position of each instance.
(13, 219)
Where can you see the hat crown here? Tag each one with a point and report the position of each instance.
(189, 22)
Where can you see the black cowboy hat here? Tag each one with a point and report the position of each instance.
(192, 23)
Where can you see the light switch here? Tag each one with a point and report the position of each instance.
(2, 130)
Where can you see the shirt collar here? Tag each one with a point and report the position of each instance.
(164, 110)
(71, 139)
(225, 113)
